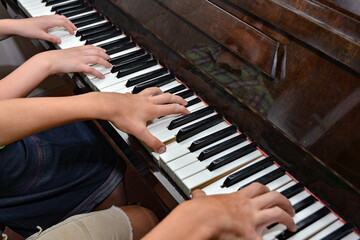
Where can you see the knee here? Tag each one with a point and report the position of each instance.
(142, 220)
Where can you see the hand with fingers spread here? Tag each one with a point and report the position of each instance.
(36, 27)
(131, 112)
(240, 215)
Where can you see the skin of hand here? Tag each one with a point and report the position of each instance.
(20, 83)
(241, 215)
(36, 27)
(136, 110)
(76, 59)
(128, 112)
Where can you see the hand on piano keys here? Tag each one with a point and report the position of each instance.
(36, 28)
(240, 215)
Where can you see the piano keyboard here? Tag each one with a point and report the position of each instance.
(203, 149)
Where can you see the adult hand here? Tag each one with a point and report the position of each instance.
(131, 112)
(246, 213)
(76, 59)
(37, 27)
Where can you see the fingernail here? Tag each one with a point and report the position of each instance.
(58, 41)
(162, 150)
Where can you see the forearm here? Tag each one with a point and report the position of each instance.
(185, 222)
(27, 116)
(25, 78)
(8, 28)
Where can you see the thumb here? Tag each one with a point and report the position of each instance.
(152, 142)
(197, 193)
(51, 38)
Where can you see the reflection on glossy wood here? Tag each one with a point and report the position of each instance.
(307, 115)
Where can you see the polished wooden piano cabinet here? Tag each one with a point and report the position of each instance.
(285, 72)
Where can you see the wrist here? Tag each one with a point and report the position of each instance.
(8, 28)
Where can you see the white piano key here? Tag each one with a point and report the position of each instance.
(205, 176)
(182, 161)
(299, 197)
(286, 186)
(171, 134)
(182, 148)
(326, 231)
(109, 40)
(124, 52)
(315, 227)
(92, 24)
(279, 182)
(351, 236)
(81, 14)
(169, 86)
(101, 85)
(279, 228)
(247, 180)
(212, 188)
(197, 166)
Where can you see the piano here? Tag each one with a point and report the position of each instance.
(273, 88)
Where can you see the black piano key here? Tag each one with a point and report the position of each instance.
(105, 36)
(157, 82)
(209, 139)
(304, 203)
(293, 190)
(339, 233)
(232, 156)
(145, 77)
(271, 176)
(115, 43)
(66, 6)
(53, 2)
(247, 172)
(200, 126)
(185, 94)
(137, 61)
(77, 8)
(190, 117)
(180, 88)
(127, 57)
(94, 29)
(304, 223)
(99, 33)
(87, 19)
(209, 152)
(121, 48)
(148, 64)
(192, 102)
(76, 12)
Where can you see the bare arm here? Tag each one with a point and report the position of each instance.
(128, 112)
(35, 27)
(240, 215)
(25, 78)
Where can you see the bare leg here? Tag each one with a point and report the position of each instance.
(142, 220)
(116, 198)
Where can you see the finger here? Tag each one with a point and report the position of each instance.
(275, 215)
(92, 71)
(90, 50)
(253, 190)
(51, 38)
(151, 92)
(162, 110)
(197, 193)
(152, 142)
(97, 60)
(272, 199)
(62, 21)
(168, 98)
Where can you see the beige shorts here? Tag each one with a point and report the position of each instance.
(112, 223)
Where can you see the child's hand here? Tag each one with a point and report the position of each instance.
(75, 60)
(37, 27)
